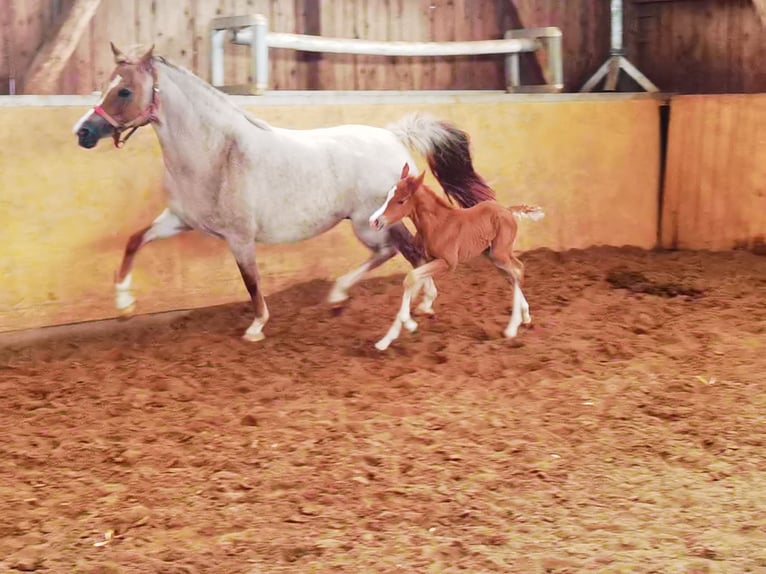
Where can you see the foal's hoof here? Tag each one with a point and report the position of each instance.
(426, 311)
(382, 345)
(254, 337)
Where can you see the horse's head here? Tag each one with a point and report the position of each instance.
(398, 204)
(128, 102)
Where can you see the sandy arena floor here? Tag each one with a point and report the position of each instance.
(625, 432)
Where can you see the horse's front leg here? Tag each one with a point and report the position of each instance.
(167, 224)
(244, 253)
(412, 284)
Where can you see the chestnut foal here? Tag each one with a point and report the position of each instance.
(452, 236)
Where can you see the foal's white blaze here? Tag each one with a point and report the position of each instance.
(375, 216)
(113, 84)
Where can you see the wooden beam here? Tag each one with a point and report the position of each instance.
(760, 8)
(53, 56)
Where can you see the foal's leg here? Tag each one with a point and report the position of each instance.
(167, 224)
(412, 250)
(244, 253)
(411, 284)
(513, 269)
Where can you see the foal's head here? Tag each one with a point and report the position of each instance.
(398, 204)
(129, 100)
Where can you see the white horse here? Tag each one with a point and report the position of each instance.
(234, 176)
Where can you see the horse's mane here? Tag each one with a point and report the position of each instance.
(204, 86)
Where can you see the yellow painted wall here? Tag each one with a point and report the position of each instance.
(66, 212)
(715, 182)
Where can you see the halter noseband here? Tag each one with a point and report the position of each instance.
(147, 115)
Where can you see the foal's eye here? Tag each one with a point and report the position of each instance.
(124, 93)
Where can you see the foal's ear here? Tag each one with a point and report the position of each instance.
(146, 59)
(119, 57)
(419, 179)
(405, 171)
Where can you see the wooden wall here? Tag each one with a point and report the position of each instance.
(179, 28)
(698, 46)
(715, 176)
(24, 26)
(591, 162)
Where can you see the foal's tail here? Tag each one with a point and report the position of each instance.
(532, 212)
(447, 150)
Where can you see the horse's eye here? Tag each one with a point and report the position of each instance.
(401, 201)
(124, 93)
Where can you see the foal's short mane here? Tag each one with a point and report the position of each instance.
(204, 86)
(438, 198)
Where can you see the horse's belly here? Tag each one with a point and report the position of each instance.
(291, 229)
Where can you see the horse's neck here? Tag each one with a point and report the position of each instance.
(194, 121)
(429, 211)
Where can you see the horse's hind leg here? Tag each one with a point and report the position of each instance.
(382, 250)
(166, 225)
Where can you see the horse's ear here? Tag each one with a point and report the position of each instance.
(119, 57)
(146, 59)
(419, 179)
(405, 171)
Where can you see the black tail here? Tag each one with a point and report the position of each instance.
(447, 150)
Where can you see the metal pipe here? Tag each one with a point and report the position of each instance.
(556, 60)
(306, 43)
(259, 53)
(616, 10)
(217, 39)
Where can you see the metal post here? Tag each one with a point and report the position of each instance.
(617, 60)
(512, 72)
(217, 38)
(260, 54)
(556, 61)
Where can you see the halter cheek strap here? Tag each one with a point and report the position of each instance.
(147, 115)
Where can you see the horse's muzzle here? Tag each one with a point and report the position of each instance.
(378, 223)
(87, 138)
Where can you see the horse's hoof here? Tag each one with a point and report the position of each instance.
(509, 333)
(428, 312)
(337, 310)
(128, 311)
(254, 337)
(382, 345)
(410, 325)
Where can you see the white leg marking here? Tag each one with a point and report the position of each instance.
(429, 295)
(343, 283)
(402, 318)
(124, 300)
(513, 325)
(526, 318)
(254, 332)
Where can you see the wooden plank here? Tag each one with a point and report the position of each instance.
(308, 21)
(283, 63)
(50, 61)
(716, 173)
(760, 8)
(442, 18)
(7, 52)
